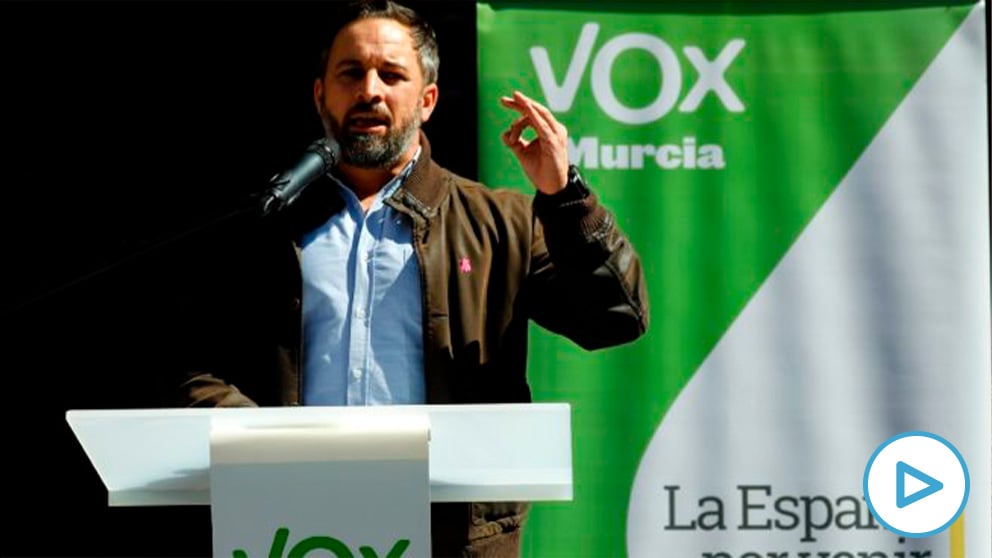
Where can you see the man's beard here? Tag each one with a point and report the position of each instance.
(372, 151)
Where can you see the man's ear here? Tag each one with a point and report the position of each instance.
(428, 102)
(318, 95)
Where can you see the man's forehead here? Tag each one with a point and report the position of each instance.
(373, 36)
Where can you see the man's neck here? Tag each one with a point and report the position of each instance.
(366, 183)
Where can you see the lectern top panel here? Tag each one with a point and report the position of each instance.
(476, 452)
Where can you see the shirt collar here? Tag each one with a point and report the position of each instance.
(393, 185)
(390, 188)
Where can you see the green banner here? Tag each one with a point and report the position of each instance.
(715, 133)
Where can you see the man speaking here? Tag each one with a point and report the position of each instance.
(396, 281)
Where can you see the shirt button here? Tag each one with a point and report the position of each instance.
(356, 373)
(360, 313)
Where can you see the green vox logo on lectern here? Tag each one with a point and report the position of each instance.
(322, 542)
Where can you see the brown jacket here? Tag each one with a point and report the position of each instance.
(559, 260)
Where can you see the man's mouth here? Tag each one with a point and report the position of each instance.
(368, 124)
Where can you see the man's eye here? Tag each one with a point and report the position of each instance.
(391, 77)
(353, 73)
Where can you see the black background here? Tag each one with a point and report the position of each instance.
(125, 124)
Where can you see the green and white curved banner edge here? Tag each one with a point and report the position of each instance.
(808, 187)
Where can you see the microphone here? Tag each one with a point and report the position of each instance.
(286, 186)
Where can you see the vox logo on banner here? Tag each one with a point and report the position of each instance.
(710, 76)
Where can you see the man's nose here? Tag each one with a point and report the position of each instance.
(370, 88)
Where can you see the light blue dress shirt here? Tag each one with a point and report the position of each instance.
(362, 327)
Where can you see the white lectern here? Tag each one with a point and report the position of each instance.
(353, 481)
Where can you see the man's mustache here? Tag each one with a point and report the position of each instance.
(370, 111)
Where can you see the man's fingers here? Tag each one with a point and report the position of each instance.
(521, 104)
(511, 141)
(529, 107)
(511, 136)
(549, 131)
(542, 111)
(545, 130)
(508, 102)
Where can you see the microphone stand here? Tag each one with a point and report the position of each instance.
(283, 189)
(259, 204)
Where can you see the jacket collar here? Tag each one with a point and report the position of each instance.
(424, 190)
(421, 194)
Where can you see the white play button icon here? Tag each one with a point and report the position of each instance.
(916, 484)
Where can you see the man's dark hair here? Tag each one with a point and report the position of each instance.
(424, 39)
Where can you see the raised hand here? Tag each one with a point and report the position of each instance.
(544, 158)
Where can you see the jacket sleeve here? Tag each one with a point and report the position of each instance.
(202, 350)
(586, 280)
(218, 333)
(205, 390)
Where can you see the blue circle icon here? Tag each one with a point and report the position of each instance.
(916, 484)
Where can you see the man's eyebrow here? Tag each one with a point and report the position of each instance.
(348, 62)
(394, 65)
(352, 62)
